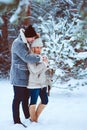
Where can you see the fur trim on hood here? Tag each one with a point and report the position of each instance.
(23, 37)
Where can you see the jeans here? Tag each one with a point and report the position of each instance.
(21, 94)
(34, 93)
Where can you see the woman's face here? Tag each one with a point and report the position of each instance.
(37, 50)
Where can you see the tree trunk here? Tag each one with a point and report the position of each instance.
(27, 21)
(5, 33)
(4, 49)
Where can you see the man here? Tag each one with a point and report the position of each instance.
(19, 73)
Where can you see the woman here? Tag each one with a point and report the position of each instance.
(37, 82)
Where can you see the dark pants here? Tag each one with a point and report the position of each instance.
(43, 95)
(21, 94)
(34, 93)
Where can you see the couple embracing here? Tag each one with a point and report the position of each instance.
(28, 75)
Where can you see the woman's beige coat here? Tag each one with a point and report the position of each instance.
(37, 77)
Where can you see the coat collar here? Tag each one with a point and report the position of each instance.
(23, 37)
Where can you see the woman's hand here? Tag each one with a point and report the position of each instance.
(45, 59)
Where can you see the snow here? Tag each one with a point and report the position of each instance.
(82, 55)
(66, 110)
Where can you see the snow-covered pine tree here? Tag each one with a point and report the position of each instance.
(60, 26)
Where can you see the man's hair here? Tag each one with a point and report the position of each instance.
(30, 32)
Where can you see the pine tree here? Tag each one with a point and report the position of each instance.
(62, 34)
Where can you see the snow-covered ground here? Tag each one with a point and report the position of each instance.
(66, 110)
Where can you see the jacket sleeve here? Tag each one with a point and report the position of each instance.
(37, 68)
(22, 51)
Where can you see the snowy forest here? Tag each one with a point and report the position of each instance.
(62, 25)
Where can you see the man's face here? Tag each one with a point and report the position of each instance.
(30, 40)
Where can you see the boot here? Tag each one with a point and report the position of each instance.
(32, 110)
(39, 110)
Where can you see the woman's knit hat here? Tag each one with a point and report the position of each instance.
(30, 32)
(37, 43)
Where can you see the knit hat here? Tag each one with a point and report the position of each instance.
(37, 43)
(30, 32)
